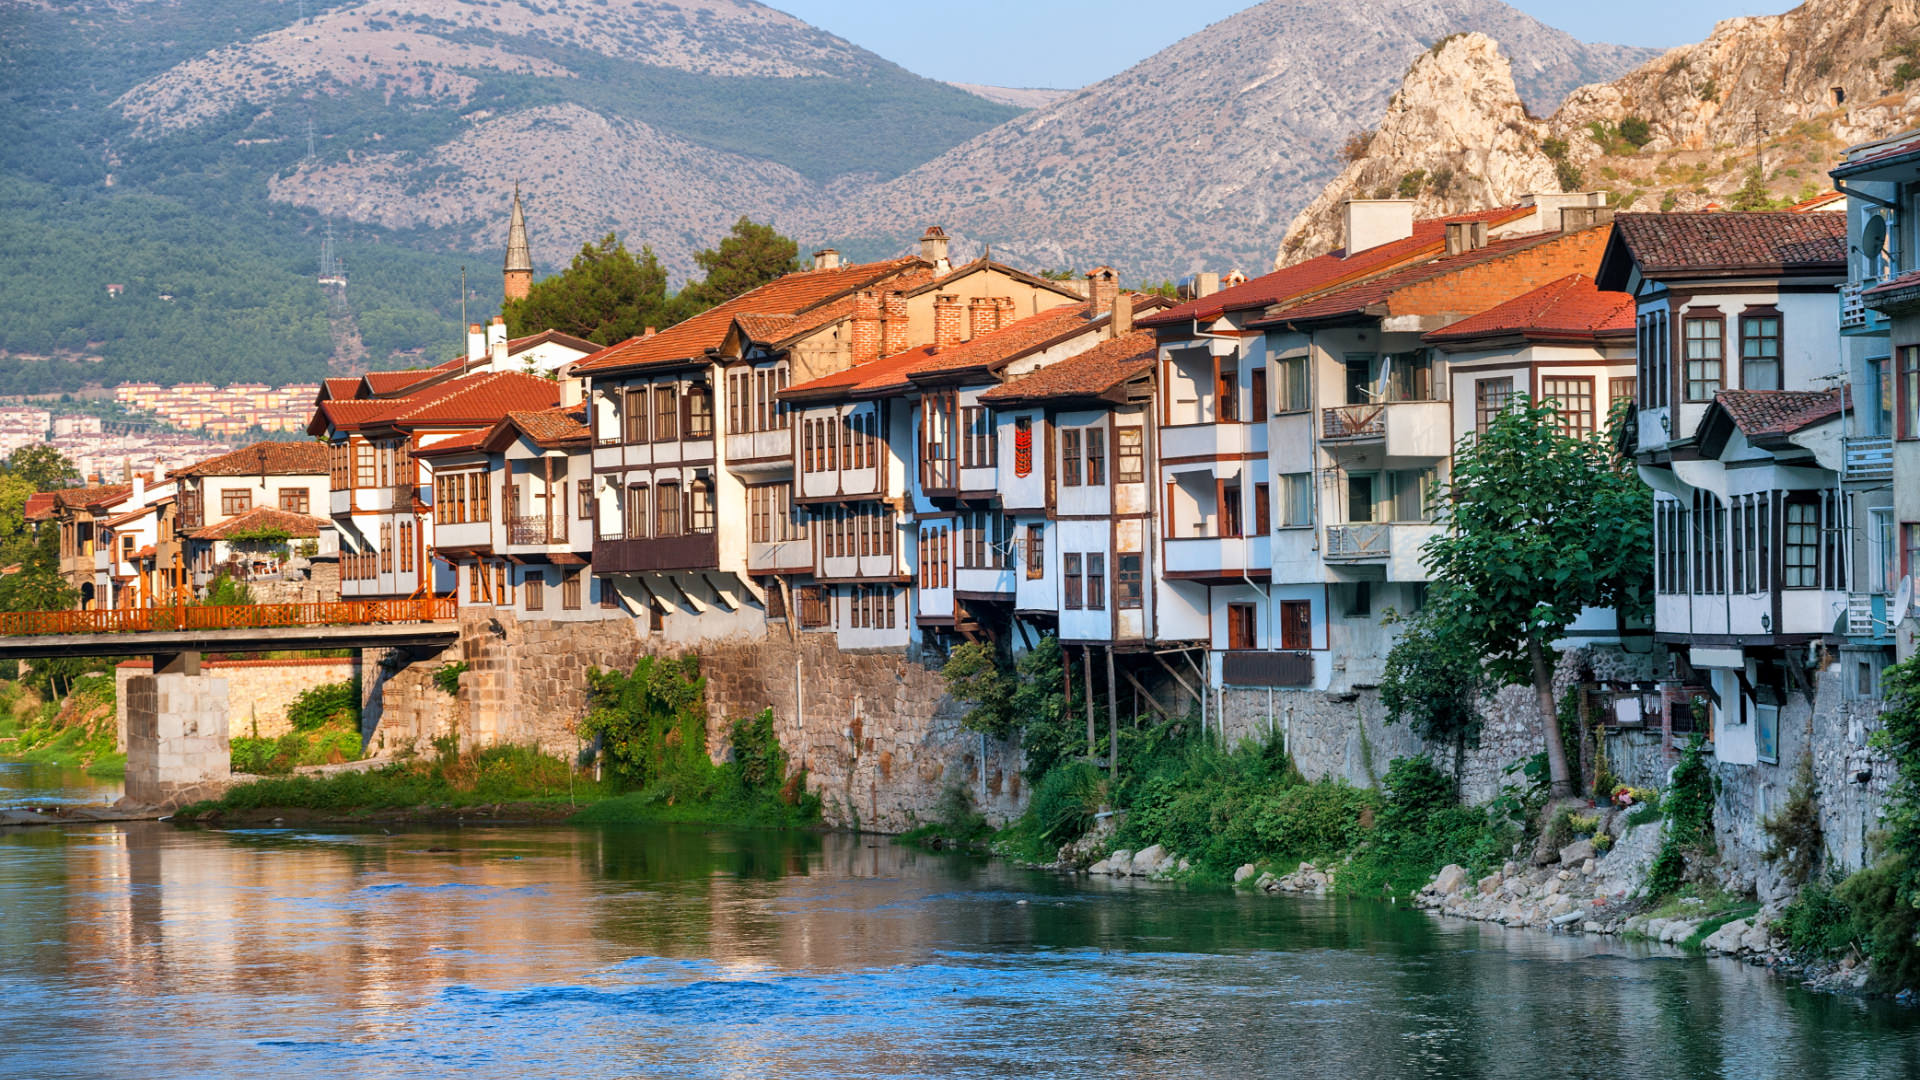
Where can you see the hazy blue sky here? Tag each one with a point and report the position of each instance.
(1070, 43)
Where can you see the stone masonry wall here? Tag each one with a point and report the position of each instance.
(177, 750)
(879, 737)
(1347, 736)
(258, 691)
(1834, 731)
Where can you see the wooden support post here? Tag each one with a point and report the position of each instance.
(1146, 696)
(1191, 692)
(1113, 719)
(1086, 670)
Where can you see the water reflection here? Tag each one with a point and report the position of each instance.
(25, 783)
(687, 952)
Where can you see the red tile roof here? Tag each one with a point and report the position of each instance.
(468, 402)
(1091, 374)
(1886, 155)
(463, 443)
(792, 294)
(891, 374)
(1570, 309)
(522, 344)
(99, 495)
(40, 506)
(1335, 268)
(390, 383)
(339, 389)
(1358, 297)
(1678, 244)
(1760, 413)
(264, 459)
(549, 429)
(262, 519)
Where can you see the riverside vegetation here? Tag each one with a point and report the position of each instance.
(649, 725)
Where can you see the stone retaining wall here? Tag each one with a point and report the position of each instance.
(258, 691)
(1834, 731)
(879, 737)
(1347, 736)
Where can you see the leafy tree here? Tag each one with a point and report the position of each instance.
(1753, 195)
(45, 467)
(1540, 525)
(1024, 699)
(749, 256)
(606, 296)
(1434, 680)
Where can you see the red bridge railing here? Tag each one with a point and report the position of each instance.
(230, 616)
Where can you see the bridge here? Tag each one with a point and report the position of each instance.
(177, 749)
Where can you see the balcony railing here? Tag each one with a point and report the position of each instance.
(1853, 309)
(1353, 422)
(229, 616)
(695, 551)
(1277, 669)
(1369, 541)
(1869, 457)
(534, 529)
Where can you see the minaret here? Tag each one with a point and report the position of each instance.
(519, 272)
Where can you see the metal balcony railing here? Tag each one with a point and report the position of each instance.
(535, 529)
(1353, 422)
(1868, 457)
(1370, 541)
(1853, 309)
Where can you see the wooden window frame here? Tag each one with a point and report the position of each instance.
(296, 500)
(1243, 627)
(534, 591)
(1128, 580)
(1488, 405)
(636, 415)
(666, 412)
(1702, 317)
(1576, 422)
(1129, 454)
(1296, 625)
(1070, 457)
(1036, 552)
(235, 501)
(1259, 412)
(1070, 581)
(1096, 595)
(1906, 391)
(1779, 336)
(1096, 448)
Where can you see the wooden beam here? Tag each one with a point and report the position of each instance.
(1146, 695)
(1162, 661)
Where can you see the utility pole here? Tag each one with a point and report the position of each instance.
(463, 309)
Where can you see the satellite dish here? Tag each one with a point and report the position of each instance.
(1903, 598)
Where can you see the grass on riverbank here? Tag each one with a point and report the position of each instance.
(1224, 808)
(450, 778)
(75, 732)
(325, 730)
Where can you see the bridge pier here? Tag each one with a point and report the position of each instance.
(177, 749)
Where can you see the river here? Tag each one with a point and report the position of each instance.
(155, 951)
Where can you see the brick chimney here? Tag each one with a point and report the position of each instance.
(895, 331)
(826, 259)
(864, 334)
(476, 342)
(933, 248)
(946, 320)
(1005, 304)
(1102, 286)
(983, 316)
(1122, 324)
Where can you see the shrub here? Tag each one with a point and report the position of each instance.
(332, 703)
(1688, 806)
(1356, 146)
(1066, 800)
(446, 677)
(1795, 843)
(1636, 131)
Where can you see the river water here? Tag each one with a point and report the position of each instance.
(154, 951)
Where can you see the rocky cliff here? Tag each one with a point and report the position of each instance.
(1751, 117)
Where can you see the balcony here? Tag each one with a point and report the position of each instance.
(1404, 429)
(1217, 560)
(780, 557)
(535, 530)
(1867, 616)
(1868, 457)
(697, 551)
(1359, 543)
(760, 451)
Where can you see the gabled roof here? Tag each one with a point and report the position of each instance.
(1572, 309)
(519, 345)
(983, 264)
(467, 442)
(338, 389)
(468, 402)
(1702, 244)
(89, 497)
(262, 519)
(791, 294)
(1094, 374)
(892, 374)
(1375, 295)
(1765, 417)
(386, 384)
(1330, 270)
(40, 506)
(264, 459)
(549, 429)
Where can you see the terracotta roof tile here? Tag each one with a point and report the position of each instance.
(1572, 308)
(549, 428)
(1359, 296)
(465, 442)
(339, 389)
(891, 374)
(262, 518)
(1090, 374)
(1762, 413)
(792, 294)
(40, 506)
(390, 383)
(99, 495)
(482, 399)
(1677, 243)
(264, 459)
(1335, 268)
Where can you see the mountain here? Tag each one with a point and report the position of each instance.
(1199, 155)
(197, 152)
(1681, 131)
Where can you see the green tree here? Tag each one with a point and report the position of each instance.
(1434, 680)
(606, 296)
(45, 467)
(1540, 525)
(749, 256)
